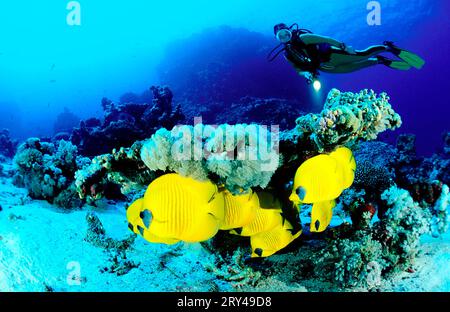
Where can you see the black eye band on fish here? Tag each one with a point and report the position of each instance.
(301, 192)
(146, 217)
(141, 230)
(130, 226)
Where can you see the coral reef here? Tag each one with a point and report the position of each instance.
(359, 255)
(124, 124)
(365, 257)
(405, 222)
(7, 145)
(422, 177)
(348, 117)
(111, 175)
(239, 157)
(47, 171)
(222, 153)
(352, 262)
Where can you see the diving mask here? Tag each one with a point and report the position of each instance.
(284, 35)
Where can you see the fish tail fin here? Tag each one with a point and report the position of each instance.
(321, 215)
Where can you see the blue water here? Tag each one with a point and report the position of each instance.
(46, 65)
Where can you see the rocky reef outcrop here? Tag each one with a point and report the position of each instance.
(125, 123)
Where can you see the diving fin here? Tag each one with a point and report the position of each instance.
(411, 58)
(399, 65)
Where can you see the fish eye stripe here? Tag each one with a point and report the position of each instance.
(301, 192)
(146, 218)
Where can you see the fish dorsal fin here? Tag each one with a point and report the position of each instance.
(268, 200)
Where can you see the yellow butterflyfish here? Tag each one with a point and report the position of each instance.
(265, 220)
(267, 243)
(320, 180)
(177, 208)
(137, 218)
(240, 210)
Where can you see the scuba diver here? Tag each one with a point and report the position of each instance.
(310, 53)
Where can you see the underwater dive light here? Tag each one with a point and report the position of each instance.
(317, 85)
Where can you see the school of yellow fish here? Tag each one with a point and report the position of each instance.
(177, 208)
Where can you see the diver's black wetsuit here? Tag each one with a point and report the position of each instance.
(309, 53)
